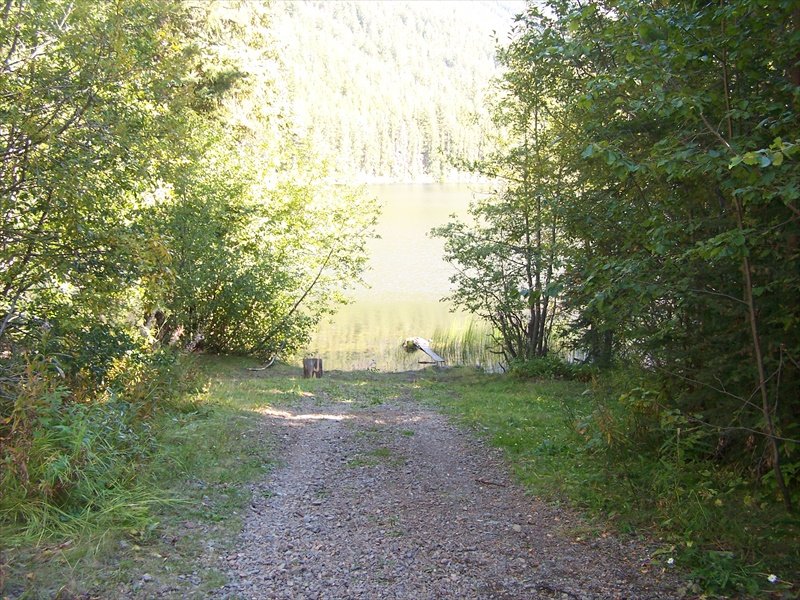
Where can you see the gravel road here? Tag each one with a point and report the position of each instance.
(394, 501)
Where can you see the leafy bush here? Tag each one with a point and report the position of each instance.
(665, 465)
(550, 367)
(69, 451)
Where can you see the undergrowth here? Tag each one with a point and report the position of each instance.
(550, 367)
(639, 469)
(98, 490)
(70, 456)
(181, 500)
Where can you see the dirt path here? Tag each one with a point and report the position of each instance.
(392, 501)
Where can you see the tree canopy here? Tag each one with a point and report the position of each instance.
(155, 197)
(669, 159)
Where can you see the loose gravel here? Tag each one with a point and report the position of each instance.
(394, 501)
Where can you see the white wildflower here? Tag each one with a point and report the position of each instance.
(670, 561)
(772, 578)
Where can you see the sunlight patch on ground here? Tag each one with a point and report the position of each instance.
(296, 392)
(416, 419)
(282, 414)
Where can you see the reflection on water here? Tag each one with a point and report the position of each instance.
(369, 334)
(407, 280)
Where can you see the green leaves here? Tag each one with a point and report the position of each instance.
(729, 244)
(774, 155)
(85, 127)
(678, 143)
(509, 258)
(753, 158)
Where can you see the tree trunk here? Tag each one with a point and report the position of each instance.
(752, 317)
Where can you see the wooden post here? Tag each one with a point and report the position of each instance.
(312, 367)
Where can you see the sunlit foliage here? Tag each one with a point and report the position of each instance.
(154, 199)
(671, 167)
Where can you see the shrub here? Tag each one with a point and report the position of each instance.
(72, 436)
(550, 367)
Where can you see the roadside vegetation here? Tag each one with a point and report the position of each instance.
(182, 491)
(604, 450)
(167, 527)
(569, 435)
(646, 217)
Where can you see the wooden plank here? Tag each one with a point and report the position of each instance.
(425, 346)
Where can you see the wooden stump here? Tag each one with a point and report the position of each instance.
(312, 367)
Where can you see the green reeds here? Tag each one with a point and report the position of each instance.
(466, 343)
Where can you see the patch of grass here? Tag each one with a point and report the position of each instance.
(382, 452)
(726, 534)
(71, 455)
(189, 493)
(363, 461)
(465, 344)
(378, 456)
(550, 367)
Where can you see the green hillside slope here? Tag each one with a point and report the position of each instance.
(391, 89)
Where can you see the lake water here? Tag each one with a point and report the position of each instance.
(407, 280)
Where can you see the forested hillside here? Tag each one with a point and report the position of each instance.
(391, 89)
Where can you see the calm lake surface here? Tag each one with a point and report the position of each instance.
(407, 280)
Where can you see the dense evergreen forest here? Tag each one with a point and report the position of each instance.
(392, 90)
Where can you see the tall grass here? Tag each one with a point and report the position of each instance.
(94, 495)
(72, 459)
(467, 344)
